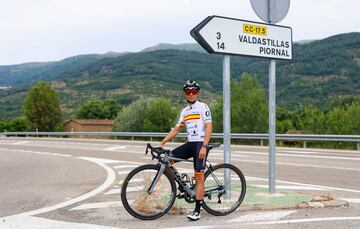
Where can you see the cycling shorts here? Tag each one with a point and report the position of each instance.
(188, 150)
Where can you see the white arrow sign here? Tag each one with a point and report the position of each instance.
(223, 35)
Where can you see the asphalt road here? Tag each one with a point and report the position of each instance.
(74, 183)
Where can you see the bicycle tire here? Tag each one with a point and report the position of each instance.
(208, 205)
(131, 209)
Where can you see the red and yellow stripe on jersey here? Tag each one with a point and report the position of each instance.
(182, 124)
(192, 117)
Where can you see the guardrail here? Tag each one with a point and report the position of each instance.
(262, 137)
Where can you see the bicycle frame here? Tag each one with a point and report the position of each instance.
(177, 176)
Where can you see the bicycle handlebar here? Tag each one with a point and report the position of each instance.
(156, 152)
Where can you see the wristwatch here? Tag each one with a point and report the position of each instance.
(204, 145)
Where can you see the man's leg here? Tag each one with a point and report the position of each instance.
(199, 178)
(199, 166)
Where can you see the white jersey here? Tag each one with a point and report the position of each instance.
(194, 118)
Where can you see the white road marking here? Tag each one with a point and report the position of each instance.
(108, 182)
(311, 185)
(97, 205)
(261, 216)
(192, 227)
(351, 200)
(20, 143)
(132, 180)
(295, 164)
(124, 166)
(113, 191)
(42, 223)
(222, 154)
(308, 220)
(114, 148)
(123, 172)
(291, 187)
(305, 156)
(129, 189)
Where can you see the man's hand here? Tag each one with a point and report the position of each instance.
(202, 153)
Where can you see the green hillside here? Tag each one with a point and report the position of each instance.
(322, 71)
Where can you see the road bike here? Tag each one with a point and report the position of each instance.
(149, 191)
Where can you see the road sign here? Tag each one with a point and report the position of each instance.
(229, 36)
(271, 11)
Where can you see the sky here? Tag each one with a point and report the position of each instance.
(48, 30)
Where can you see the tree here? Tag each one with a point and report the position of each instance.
(131, 118)
(42, 109)
(353, 117)
(98, 109)
(160, 116)
(17, 124)
(249, 110)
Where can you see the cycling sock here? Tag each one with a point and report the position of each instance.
(197, 206)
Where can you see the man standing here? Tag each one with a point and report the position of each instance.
(197, 119)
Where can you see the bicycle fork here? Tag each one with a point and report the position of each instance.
(156, 179)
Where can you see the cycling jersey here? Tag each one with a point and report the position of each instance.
(194, 118)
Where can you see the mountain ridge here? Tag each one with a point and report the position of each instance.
(321, 71)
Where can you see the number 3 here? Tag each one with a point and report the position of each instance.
(218, 35)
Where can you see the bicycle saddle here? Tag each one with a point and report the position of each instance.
(213, 145)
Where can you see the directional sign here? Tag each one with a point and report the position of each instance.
(229, 36)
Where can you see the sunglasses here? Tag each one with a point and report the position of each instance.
(191, 92)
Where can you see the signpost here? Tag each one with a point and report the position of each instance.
(271, 11)
(230, 36)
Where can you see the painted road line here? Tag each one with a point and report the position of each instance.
(295, 164)
(303, 156)
(42, 223)
(129, 189)
(112, 148)
(222, 155)
(351, 200)
(308, 220)
(292, 187)
(311, 185)
(192, 227)
(124, 166)
(124, 172)
(98, 205)
(20, 143)
(132, 181)
(108, 182)
(261, 216)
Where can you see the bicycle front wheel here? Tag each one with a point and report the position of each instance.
(138, 202)
(225, 188)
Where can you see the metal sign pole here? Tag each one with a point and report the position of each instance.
(272, 111)
(226, 116)
(272, 125)
(226, 108)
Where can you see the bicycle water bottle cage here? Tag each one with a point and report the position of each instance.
(185, 178)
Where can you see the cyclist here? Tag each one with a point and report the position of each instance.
(197, 119)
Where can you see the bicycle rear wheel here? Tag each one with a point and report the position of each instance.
(141, 204)
(225, 196)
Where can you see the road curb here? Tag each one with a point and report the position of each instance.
(306, 204)
(315, 203)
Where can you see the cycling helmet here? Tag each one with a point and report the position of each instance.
(191, 85)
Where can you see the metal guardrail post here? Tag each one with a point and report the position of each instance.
(358, 146)
(304, 144)
(262, 142)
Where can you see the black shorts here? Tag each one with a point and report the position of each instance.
(191, 149)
